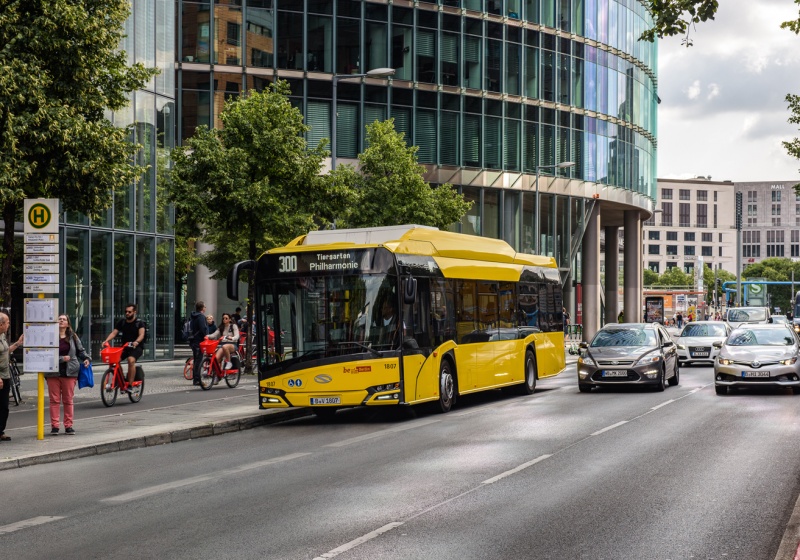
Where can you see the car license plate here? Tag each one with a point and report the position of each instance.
(699, 354)
(615, 373)
(755, 374)
(326, 400)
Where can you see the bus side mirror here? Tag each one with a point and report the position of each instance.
(409, 290)
(233, 278)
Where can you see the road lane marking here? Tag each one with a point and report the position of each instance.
(379, 433)
(360, 540)
(663, 404)
(32, 522)
(166, 487)
(515, 469)
(611, 427)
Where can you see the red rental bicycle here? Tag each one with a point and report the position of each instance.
(114, 380)
(210, 370)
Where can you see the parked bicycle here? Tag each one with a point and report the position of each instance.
(211, 371)
(15, 381)
(114, 380)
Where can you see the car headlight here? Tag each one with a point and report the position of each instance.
(586, 361)
(725, 361)
(788, 362)
(681, 347)
(648, 359)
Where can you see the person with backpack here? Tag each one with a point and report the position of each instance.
(134, 333)
(199, 326)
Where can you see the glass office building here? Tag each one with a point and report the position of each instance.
(127, 256)
(490, 91)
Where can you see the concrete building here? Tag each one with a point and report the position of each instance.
(770, 220)
(694, 221)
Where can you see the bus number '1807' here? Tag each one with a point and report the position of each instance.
(287, 264)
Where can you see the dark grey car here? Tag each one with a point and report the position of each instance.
(629, 353)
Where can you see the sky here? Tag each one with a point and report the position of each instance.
(722, 110)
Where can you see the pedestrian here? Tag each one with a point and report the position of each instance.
(212, 326)
(679, 319)
(61, 383)
(5, 372)
(621, 317)
(237, 316)
(199, 332)
(565, 315)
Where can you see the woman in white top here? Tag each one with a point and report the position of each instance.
(229, 333)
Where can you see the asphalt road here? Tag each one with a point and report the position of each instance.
(622, 474)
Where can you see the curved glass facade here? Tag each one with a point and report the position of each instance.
(490, 90)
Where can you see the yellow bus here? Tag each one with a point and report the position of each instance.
(401, 315)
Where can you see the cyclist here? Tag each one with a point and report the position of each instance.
(228, 333)
(133, 332)
(199, 330)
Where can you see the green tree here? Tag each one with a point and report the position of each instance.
(776, 269)
(675, 277)
(390, 186)
(253, 184)
(60, 70)
(708, 280)
(650, 278)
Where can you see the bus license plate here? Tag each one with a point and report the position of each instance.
(755, 374)
(326, 400)
(615, 373)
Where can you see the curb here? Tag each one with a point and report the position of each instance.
(202, 430)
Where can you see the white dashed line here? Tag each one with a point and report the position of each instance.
(611, 427)
(515, 469)
(360, 540)
(663, 404)
(32, 522)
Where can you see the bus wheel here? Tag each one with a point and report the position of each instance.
(447, 386)
(529, 386)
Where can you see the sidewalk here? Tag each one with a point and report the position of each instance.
(130, 428)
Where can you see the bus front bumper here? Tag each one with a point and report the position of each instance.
(374, 396)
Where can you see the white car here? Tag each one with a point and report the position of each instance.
(696, 341)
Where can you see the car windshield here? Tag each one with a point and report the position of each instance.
(717, 329)
(630, 336)
(746, 315)
(779, 319)
(761, 337)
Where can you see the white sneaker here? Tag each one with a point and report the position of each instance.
(228, 365)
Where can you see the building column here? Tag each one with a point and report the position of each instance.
(612, 273)
(591, 275)
(568, 295)
(205, 286)
(632, 267)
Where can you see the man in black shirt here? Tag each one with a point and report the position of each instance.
(199, 327)
(133, 331)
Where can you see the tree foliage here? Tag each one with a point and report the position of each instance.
(677, 17)
(776, 269)
(390, 187)
(649, 278)
(60, 69)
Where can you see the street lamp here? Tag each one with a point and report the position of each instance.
(562, 165)
(375, 73)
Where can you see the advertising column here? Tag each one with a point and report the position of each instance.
(41, 279)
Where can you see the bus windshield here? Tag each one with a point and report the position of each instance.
(330, 315)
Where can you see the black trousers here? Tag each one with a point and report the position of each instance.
(4, 392)
(198, 360)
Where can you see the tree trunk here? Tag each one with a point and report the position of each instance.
(9, 216)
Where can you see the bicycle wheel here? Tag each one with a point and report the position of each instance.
(232, 376)
(135, 393)
(15, 382)
(108, 388)
(187, 369)
(206, 374)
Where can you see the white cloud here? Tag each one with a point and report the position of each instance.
(723, 110)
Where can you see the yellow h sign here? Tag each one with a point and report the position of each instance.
(41, 215)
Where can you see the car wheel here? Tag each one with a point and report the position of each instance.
(720, 390)
(675, 379)
(681, 363)
(662, 381)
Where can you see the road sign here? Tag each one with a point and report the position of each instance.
(43, 258)
(41, 248)
(41, 278)
(40, 288)
(41, 215)
(40, 268)
(41, 238)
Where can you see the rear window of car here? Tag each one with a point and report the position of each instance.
(624, 337)
(704, 330)
(745, 315)
(760, 337)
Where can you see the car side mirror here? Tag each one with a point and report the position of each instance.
(668, 344)
(717, 344)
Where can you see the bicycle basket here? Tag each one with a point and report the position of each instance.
(111, 355)
(209, 346)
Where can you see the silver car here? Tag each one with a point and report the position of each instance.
(628, 353)
(737, 316)
(759, 355)
(696, 341)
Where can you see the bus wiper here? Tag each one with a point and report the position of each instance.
(364, 346)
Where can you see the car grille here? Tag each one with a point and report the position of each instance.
(613, 363)
(694, 349)
(632, 376)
